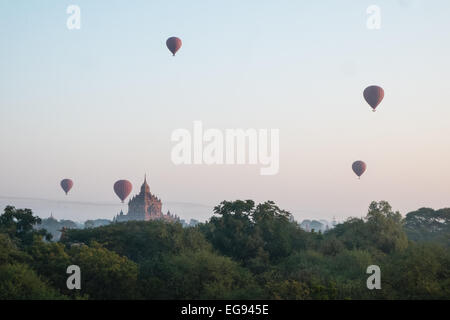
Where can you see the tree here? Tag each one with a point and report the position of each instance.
(331, 245)
(420, 272)
(105, 274)
(385, 227)
(381, 229)
(20, 282)
(51, 260)
(20, 223)
(426, 225)
(254, 235)
(199, 274)
(232, 232)
(140, 240)
(10, 253)
(280, 235)
(243, 252)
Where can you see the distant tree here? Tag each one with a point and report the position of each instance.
(54, 226)
(20, 282)
(254, 236)
(426, 225)
(280, 235)
(96, 223)
(51, 260)
(232, 231)
(317, 226)
(385, 227)
(382, 229)
(243, 252)
(10, 252)
(196, 275)
(140, 240)
(20, 223)
(105, 274)
(332, 245)
(89, 224)
(288, 289)
(420, 272)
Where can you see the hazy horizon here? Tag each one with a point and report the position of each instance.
(99, 104)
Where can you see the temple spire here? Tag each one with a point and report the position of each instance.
(145, 187)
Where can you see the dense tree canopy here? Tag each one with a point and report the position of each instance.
(428, 225)
(245, 251)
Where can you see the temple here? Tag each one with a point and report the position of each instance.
(145, 207)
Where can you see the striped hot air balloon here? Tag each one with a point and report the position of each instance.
(359, 167)
(173, 44)
(123, 188)
(66, 185)
(374, 95)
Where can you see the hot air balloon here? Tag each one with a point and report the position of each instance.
(123, 188)
(374, 95)
(173, 44)
(66, 185)
(359, 167)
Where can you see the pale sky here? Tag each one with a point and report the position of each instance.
(100, 103)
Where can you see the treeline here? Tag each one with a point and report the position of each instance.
(245, 251)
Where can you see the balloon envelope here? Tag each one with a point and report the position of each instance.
(123, 188)
(66, 185)
(374, 95)
(173, 44)
(359, 167)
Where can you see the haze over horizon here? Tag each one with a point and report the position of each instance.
(100, 103)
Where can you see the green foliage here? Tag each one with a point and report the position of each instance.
(280, 237)
(381, 230)
(245, 251)
(105, 274)
(253, 235)
(385, 228)
(287, 289)
(140, 240)
(331, 245)
(51, 260)
(233, 232)
(420, 272)
(9, 252)
(20, 282)
(19, 223)
(196, 275)
(428, 225)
